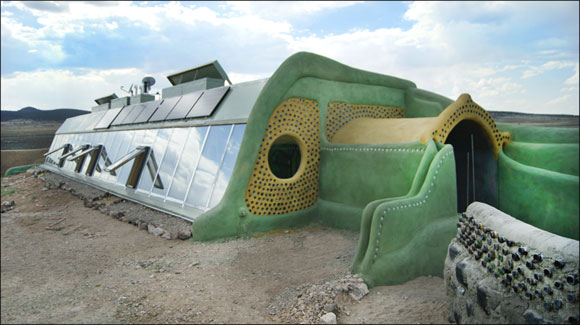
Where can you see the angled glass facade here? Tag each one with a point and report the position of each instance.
(185, 167)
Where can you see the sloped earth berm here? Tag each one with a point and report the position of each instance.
(155, 222)
(64, 260)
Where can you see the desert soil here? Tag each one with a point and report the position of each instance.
(65, 263)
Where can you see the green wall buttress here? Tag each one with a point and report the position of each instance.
(408, 236)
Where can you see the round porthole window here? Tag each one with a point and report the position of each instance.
(284, 157)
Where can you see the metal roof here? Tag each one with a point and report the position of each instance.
(209, 70)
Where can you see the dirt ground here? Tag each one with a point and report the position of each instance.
(65, 263)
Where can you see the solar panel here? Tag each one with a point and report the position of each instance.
(105, 122)
(148, 109)
(164, 109)
(184, 105)
(208, 102)
(133, 114)
(123, 114)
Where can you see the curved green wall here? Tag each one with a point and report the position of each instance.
(422, 103)
(540, 134)
(542, 198)
(556, 157)
(402, 197)
(313, 77)
(538, 177)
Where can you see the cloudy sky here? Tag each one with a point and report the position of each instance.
(510, 56)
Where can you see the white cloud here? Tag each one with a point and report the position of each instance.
(558, 100)
(548, 66)
(568, 89)
(451, 48)
(44, 89)
(574, 79)
(33, 38)
(71, 20)
(285, 10)
(49, 89)
(181, 19)
(112, 26)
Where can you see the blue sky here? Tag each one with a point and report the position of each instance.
(510, 56)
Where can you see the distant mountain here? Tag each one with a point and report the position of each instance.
(31, 113)
(508, 114)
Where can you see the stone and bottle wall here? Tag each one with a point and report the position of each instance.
(501, 270)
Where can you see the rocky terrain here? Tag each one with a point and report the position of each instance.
(74, 255)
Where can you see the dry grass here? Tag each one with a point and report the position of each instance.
(22, 134)
(13, 158)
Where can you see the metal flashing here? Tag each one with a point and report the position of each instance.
(106, 99)
(209, 70)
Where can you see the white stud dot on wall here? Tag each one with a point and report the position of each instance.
(372, 149)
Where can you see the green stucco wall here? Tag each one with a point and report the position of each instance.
(540, 134)
(538, 177)
(422, 103)
(345, 175)
(313, 77)
(556, 157)
(402, 197)
(542, 198)
(407, 237)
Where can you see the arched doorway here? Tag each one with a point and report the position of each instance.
(475, 165)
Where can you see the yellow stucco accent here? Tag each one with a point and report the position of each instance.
(369, 130)
(340, 114)
(464, 108)
(267, 194)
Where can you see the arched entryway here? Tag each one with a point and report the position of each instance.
(476, 167)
